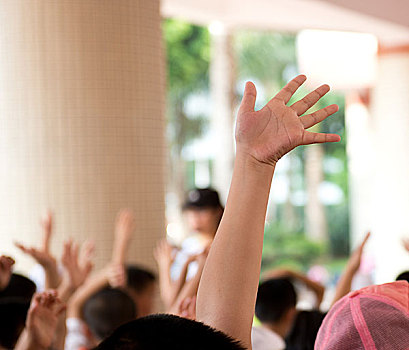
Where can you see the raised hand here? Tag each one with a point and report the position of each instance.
(6, 270)
(354, 261)
(77, 265)
(276, 129)
(164, 254)
(116, 275)
(41, 322)
(43, 255)
(124, 228)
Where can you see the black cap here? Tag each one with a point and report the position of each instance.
(202, 198)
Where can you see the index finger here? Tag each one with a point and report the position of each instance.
(288, 91)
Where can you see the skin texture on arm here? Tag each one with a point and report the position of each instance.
(43, 255)
(41, 322)
(228, 288)
(352, 267)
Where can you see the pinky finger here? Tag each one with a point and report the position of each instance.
(312, 137)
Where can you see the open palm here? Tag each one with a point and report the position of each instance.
(42, 318)
(276, 129)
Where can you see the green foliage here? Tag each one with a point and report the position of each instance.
(291, 249)
(338, 221)
(265, 56)
(188, 57)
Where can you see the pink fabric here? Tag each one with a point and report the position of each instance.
(373, 318)
(360, 324)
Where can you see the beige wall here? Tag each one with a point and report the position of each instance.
(81, 121)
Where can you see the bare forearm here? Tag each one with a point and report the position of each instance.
(52, 277)
(344, 284)
(26, 342)
(189, 289)
(239, 239)
(317, 288)
(78, 299)
(60, 333)
(119, 251)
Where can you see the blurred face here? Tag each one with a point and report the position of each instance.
(204, 220)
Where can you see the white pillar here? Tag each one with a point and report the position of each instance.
(81, 121)
(316, 226)
(361, 159)
(222, 83)
(389, 107)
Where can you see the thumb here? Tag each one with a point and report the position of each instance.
(249, 98)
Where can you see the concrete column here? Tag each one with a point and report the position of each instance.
(222, 83)
(360, 153)
(389, 107)
(316, 226)
(81, 121)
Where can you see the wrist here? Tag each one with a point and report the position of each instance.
(27, 342)
(252, 170)
(244, 156)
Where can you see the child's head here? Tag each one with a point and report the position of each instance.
(13, 313)
(404, 276)
(375, 317)
(141, 286)
(19, 287)
(167, 332)
(203, 210)
(304, 330)
(275, 304)
(106, 310)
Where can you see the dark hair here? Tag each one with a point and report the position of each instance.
(202, 198)
(304, 331)
(106, 310)
(13, 313)
(274, 298)
(158, 332)
(19, 287)
(404, 276)
(138, 278)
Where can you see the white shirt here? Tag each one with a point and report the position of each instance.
(76, 337)
(192, 245)
(265, 339)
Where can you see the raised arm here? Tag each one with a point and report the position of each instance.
(189, 288)
(169, 290)
(113, 271)
(352, 267)
(42, 255)
(227, 291)
(125, 225)
(77, 267)
(315, 287)
(41, 322)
